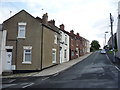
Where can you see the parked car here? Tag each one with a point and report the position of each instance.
(103, 51)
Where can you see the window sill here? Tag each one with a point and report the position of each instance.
(21, 37)
(26, 62)
(54, 62)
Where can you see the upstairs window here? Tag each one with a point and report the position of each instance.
(21, 30)
(65, 39)
(53, 55)
(55, 38)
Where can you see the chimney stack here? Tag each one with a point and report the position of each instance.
(62, 27)
(52, 22)
(78, 34)
(72, 31)
(45, 19)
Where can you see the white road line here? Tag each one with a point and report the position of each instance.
(8, 85)
(28, 85)
(109, 59)
(56, 74)
(12, 80)
(117, 68)
(23, 83)
(45, 78)
(113, 64)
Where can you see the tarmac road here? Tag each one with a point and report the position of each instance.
(96, 71)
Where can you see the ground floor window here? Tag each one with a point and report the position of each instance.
(65, 53)
(53, 55)
(72, 53)
(27, 54)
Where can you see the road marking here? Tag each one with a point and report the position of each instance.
(55, 74)
(109, 59)
(112, 63)
(28, 85)
(23, 83)
(7, 85)
(117, 68)
(12, 80)
(45, 78)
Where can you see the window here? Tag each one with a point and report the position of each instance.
(55, 38)
(72, 53)
(27, 56)
(65, 54)
(53, 55)
(21, 30)
(65, 39)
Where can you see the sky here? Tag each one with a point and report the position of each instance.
(89, 18)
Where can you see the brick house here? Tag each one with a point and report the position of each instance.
(78, 45)
(73, 52)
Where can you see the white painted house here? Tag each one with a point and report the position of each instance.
(118, 31)
(88, 46)
(2, 49)
(64, 45)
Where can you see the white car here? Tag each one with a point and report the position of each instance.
(103, 51)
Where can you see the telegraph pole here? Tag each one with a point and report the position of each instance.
(111, 22)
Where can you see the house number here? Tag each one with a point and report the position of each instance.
(9, 55)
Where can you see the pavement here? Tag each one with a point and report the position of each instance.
(52, 70)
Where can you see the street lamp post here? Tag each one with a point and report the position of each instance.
(111, 22)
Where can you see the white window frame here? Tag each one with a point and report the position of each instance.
(27, 48)
(23, 24)
(54, 61)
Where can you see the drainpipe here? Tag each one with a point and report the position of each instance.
(41, 46)
(16, 54)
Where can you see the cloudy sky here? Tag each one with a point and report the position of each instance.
(90, 18)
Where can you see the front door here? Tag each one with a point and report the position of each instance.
(9, 59)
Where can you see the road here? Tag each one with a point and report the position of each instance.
(96, 71)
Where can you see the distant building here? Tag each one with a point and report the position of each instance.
(110, 42)
(118, 31)
(73, 52)
(78, 45)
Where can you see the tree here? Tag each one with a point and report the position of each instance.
(94, 45)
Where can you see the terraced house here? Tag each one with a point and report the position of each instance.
(78, 45)
(2, 48)
(32, 42)
(64, 44)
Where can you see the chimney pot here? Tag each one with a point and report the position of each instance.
(52, 22)
(72, 31)
(78, 34)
